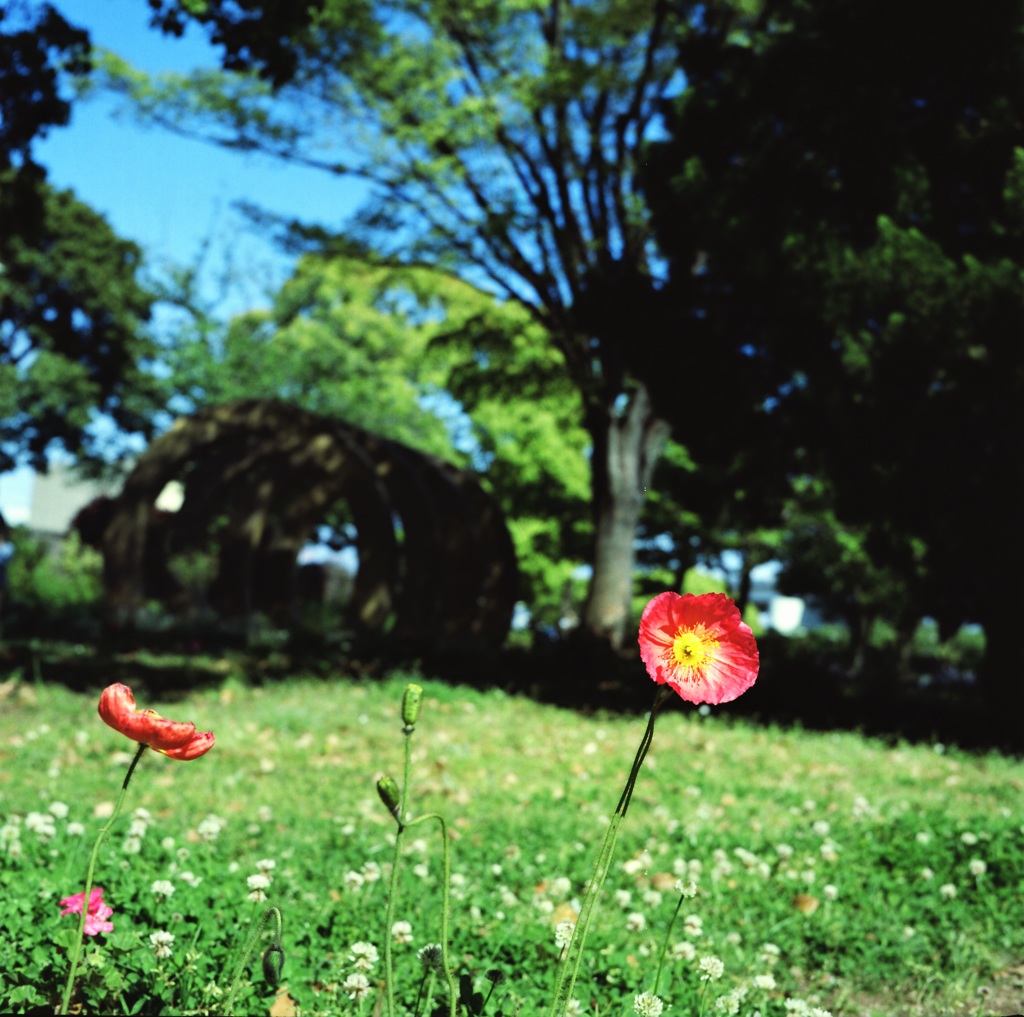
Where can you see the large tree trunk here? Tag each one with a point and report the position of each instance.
(1001, 679)
(628, 441)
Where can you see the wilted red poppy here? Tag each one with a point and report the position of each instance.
(173, 738)
(698, 646)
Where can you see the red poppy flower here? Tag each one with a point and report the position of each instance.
(173, 738)
(698, 646)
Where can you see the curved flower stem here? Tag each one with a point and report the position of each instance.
(389, 911)
(77, 952)
(570, 964)
(453, 992)
(664, 945)
(274, 911)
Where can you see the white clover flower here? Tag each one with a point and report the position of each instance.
(41, 825)
(9, 831)
(543, 905)
(266, 866)
(817, 1011)
(977, 867)
(947, 890)
(574, 1008)
(143, 815)
(162, 888)
(909, 931)
(137, 828)
(711, 968)
(784, 851)
(926, 874)
(353, 880)
(733, 939)
(729, 1004)
(684, 950)
(371, 872)
(75, 829)
(798, 1007)
(635, 922)
(651, 898)
(687, 889)
(647, 1005)
(131, 845)
(190, 877)
(821, 828)
(747, 858)
(356, 986)
(363, 956)
(765, 982)
(210, 827)
(829, 851)
(58, 809)
(563, 933)
(693, 926)
(631, 866)
(161, 941)
(969, 838)
(401, 932)
(560, 887)
(430, 956)
(622, 898)
(422, 870)
(830, 891)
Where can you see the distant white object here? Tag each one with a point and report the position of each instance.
(785, 614)
(59, 495)
(172, 497)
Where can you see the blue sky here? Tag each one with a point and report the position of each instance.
(168, 193)
(165, 192)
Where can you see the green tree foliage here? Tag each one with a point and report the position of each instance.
(72, 344)
(71, 310)
(859, 223)
(503, 141)
(422, 357)
(36, 47)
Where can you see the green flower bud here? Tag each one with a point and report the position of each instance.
(273, 965)
(391, 796)
(411, 704)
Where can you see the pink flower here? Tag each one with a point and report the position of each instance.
(97, 913)
(698, 646)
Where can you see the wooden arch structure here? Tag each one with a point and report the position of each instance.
(436, 562)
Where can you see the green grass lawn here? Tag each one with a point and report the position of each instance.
(832, 871)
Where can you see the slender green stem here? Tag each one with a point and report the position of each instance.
(570, 964)
(77, 951)
(272, 912)
(389, 911)
(453, 992)
(664, 945)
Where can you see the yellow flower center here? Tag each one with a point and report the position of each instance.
(692, 650)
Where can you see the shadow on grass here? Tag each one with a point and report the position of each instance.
(793, 688)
